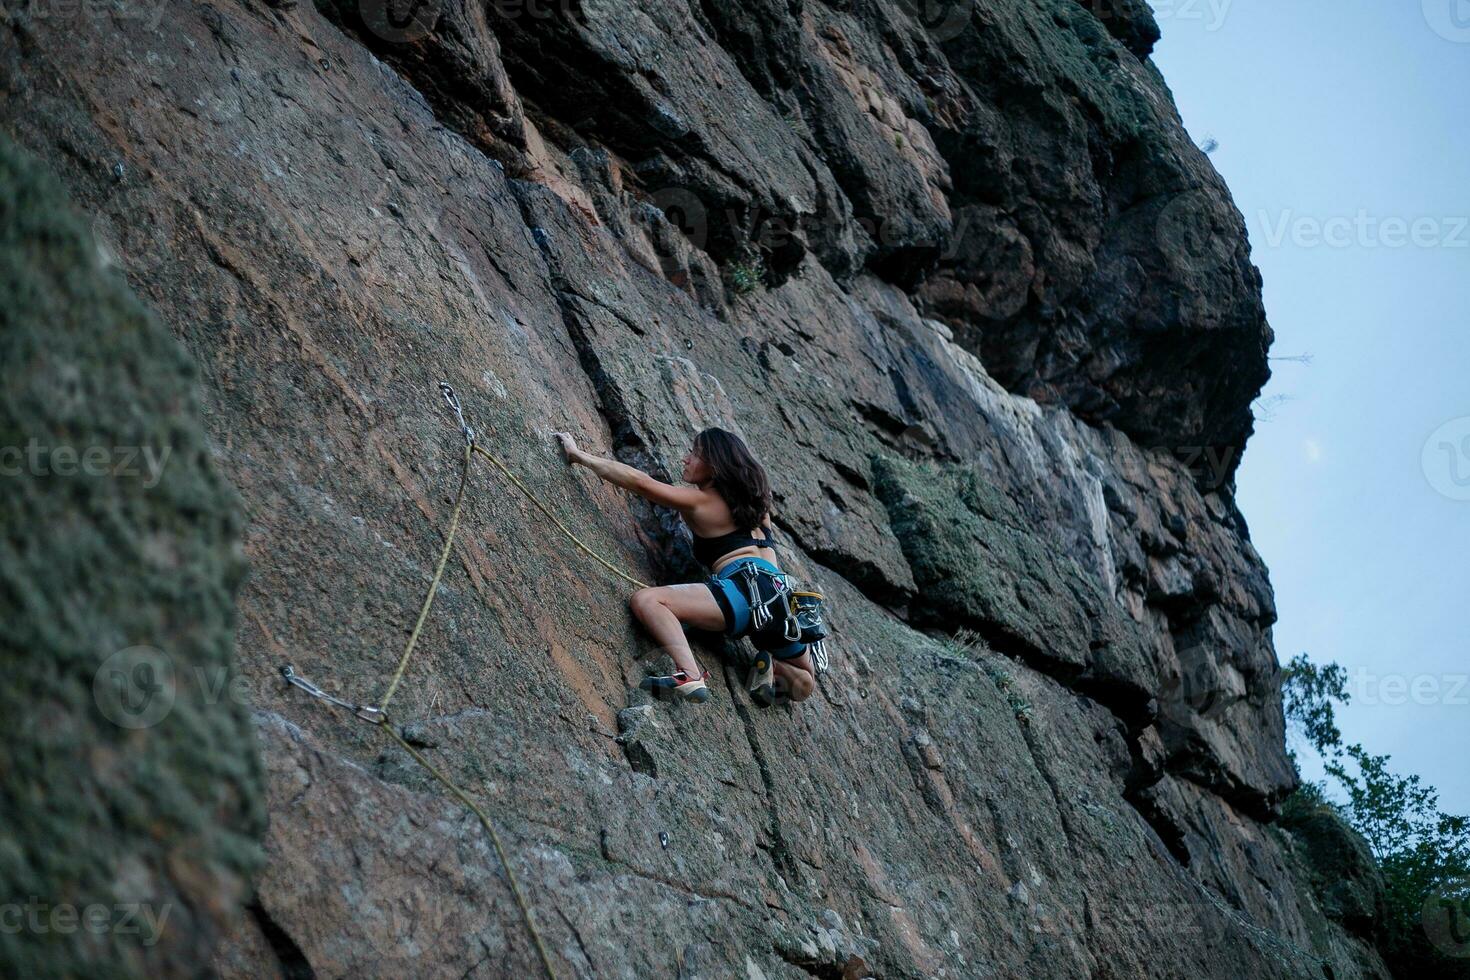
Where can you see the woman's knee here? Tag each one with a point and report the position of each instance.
(643, 601)
(801, 685)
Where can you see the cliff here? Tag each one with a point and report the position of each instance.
(960, 278)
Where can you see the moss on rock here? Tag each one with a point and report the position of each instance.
(979, 565)
(130, 786)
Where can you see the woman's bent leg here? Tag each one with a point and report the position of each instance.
(664, 610)
(798, 676)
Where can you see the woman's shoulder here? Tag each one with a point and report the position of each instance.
(712, 510)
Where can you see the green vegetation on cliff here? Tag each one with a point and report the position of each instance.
(129, 784)
(1417, 856)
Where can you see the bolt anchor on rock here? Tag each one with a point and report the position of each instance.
(368, 713)
(453, 400)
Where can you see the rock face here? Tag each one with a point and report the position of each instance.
(130, 786)
(1340, 869)
(958, 276)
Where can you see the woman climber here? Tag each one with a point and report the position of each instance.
(729, 501)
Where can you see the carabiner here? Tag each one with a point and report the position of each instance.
(453, 400)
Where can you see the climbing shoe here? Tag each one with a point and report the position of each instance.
(760, 679)
(680, 684)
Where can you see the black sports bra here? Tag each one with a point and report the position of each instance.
(710, 550)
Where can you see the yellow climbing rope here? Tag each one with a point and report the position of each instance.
(560, 526)
(413, 638)
(378, 715)
(510, 876)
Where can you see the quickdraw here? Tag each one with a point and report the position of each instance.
(372, 715)
(453, 400)
(760, 609)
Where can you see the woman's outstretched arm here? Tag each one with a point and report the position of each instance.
(631, 478)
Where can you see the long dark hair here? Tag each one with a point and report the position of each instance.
(738, 476)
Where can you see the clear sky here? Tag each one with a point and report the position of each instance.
(1342, 123)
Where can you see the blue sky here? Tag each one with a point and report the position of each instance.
(1344, 132)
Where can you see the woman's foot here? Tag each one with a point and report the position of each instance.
(679, 683)
(760, 678)
(772, 695)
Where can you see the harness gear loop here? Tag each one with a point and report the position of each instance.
(760, 609)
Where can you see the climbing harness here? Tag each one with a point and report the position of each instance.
(781, 614)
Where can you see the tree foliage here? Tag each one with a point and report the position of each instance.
(1422, 852)
(1308, 691)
